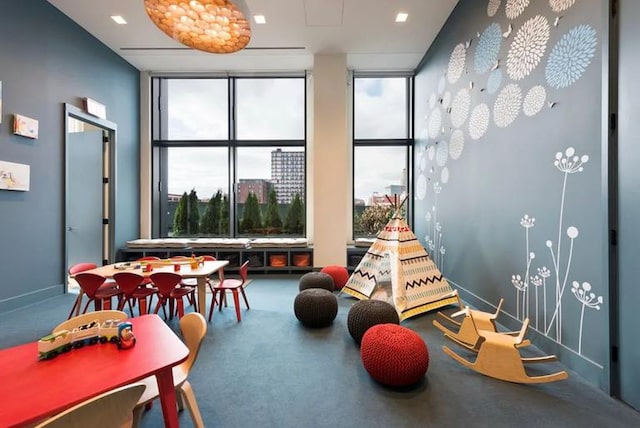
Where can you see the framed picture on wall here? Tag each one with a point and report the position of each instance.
(14, 176)
(25, 126)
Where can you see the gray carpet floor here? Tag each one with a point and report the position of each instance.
(270, 371)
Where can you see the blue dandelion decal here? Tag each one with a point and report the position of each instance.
(571, 56)
(494, 81)
(488, 48)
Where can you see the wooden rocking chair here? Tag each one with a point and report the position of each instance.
(498, 357)
(467, 335)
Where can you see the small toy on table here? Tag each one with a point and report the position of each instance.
(126, 339)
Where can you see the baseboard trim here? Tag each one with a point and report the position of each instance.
(22, 300)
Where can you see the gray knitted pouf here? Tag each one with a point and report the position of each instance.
(316, 280)
(367, 313)
(315, 307)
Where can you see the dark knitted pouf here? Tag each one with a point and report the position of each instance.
(394, 355)
(315, 307)
(367, 313)
(339, 274)
(315, 280)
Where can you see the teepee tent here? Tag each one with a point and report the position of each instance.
(398, 269)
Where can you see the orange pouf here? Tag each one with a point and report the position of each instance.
(339, 274)
(394, 355)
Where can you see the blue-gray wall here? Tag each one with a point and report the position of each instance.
(47, 60)
(629, 204)
(510, 175)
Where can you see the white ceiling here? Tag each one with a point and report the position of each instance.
(296, 30)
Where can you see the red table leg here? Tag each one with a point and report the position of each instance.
(167, 393)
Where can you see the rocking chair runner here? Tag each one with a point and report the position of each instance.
(498, 357)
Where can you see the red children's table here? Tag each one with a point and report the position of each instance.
(32, 390)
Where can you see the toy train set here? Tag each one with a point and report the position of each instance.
(109, 331)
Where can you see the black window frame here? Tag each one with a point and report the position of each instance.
(159, 146)
(408, 142)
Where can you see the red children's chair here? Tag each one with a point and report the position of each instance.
(132, 286)
(147, 281)
(91, 285)
(236, 286)
(169, 290)
(82, 267)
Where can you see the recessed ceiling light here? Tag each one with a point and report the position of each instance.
(260, 19)
(402, 17)
(118, 19)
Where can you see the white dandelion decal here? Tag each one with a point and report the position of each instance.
(421, 187)
(432, 101)
(561, 5)
(456, 63)
(588, 299)
(534, 100)
(528, 47)
(571, 56)
(456, 144)
(435, 122)
(527, 222)
(488, 48)
(444, 175)
(460, 108)
(493, 6)
(446, 100)
(521, 287)
(494, 81)
(442, 153)
(544, 273)
(515, 7)
(479, 121)
(537, 281)
(570, 163)
(507, 105)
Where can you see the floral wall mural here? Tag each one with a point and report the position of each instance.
(508, 120)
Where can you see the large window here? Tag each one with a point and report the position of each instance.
(229, 156)
(382, 147)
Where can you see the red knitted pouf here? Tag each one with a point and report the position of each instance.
(394, 355)
(339, 274)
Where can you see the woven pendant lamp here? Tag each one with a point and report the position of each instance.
(217, 26)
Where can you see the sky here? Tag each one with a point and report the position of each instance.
(274, 109)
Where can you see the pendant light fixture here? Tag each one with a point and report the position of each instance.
(217, 26)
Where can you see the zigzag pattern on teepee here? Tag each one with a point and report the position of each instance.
(369, 276)
(423, 281)
(417, 285)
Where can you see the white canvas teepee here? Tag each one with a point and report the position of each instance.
(398, 269)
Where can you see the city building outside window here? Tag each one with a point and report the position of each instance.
(382, 148)
(229, 156)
